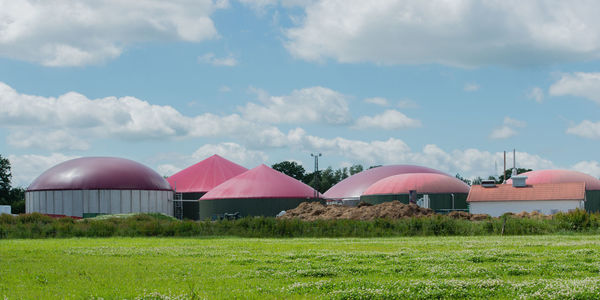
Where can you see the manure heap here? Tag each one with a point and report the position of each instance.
(310, 211)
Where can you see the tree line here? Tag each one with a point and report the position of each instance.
(13, 196)
(321, 180)
(496, 179)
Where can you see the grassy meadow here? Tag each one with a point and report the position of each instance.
(544, 267)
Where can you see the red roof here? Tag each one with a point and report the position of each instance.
(260, 182)
(205, 175)
(99, 173)
(536, 192)
(561, 176)
(423, 183)
(355, 185)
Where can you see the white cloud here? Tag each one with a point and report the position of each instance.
(508, 129)
(536, 94)
(514, 122)
(314, 104)
(377, 101)
(127, 118)
(588, 167)
(471, 87)
(210, 58)
(53, 140)
(503, 132)
(76, 33)
(468, 162)
(224, 89)
(407, 103)
(457, 33)
(25, 168)
(579, 84)
(390, 119)
(586, 129)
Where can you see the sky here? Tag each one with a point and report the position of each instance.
(444, 84)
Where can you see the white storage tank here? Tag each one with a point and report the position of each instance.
(90, 186)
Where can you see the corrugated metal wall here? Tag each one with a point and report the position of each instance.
(437, 202)
(592, 201)
(91, 202)
(209, 209)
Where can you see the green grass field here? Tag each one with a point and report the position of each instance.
(559, 266)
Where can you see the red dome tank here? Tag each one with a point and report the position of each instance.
(355, 185)
(423, 183)
(560, 176)
(99, 173)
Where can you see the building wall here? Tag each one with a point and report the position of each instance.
(437, 202)
(88, 203)
(498, 208)
(211, 209)
(592, 201)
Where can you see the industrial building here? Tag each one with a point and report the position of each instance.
(441, 193)
(592, 184)
(351, 188)
(546, 198)
(90, 186)
(260, 191)
(193, 182)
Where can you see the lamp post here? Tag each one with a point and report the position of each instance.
(316, 178)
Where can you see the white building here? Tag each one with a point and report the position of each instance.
(550, 198)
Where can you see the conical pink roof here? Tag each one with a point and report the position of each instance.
(355, 185)
(560, 176)
(260, 182)
(205, 175)
(423, 183)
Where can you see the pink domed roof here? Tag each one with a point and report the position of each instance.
(99, 173)
(260, 182)
(205, 175)
(560, 176)
(355, 185)
(423, 183)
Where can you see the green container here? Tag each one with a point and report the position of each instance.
(268, 207)
(437, 202)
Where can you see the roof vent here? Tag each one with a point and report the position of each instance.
(488, 183)
(519, 181)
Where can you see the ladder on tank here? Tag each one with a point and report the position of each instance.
(178, 206)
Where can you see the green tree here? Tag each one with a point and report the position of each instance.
(356, 169)
(290, 168)
(508, 173)
(465, 180)
(5, 178)
(15, 197)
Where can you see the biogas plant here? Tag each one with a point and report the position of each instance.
(217, 188)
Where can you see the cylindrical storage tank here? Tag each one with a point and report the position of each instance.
(261, 191)
(91, 186)
(194, 181)
(354, 186)
(592, 184)
(445, 193)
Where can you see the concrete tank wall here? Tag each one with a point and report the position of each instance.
(76, 203)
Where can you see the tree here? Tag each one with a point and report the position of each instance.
(508, 173)
(290, 168)
(15, 197)
(5, 177)
(465, 180)
(356, 169)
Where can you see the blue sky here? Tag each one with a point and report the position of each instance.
(169, 83)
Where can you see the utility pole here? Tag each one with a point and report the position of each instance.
(316, 177)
